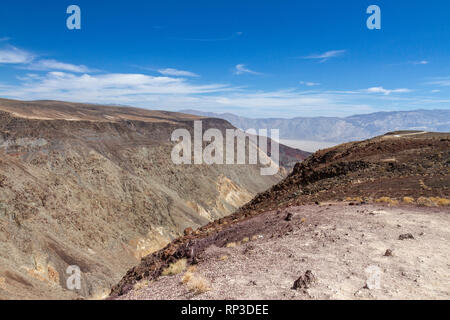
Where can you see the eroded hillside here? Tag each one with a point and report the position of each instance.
(95, 187)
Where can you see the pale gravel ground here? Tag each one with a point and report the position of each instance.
(337, 243)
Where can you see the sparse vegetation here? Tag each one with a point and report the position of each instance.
(198, 284)
(356, 199)
(223, 258)
(387, 200)
(408, 200)
(187, 276)
(440, 201)
(231, 245)
(424, 201)
(195, 283)
(175, 268)
(141, 285)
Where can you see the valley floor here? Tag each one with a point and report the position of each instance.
(343, 246)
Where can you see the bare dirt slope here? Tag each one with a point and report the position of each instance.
(395, 169)
(95, 187)
(343, 246)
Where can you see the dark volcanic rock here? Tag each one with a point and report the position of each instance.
(305, 281)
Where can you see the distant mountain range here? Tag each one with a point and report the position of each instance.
(338, 130)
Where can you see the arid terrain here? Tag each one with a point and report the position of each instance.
(363, 220)
(342, 245)
(94, 186)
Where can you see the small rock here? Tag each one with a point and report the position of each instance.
(305, 281)
(388, 253)
(405, 236)
(288, 217)
(188, 231)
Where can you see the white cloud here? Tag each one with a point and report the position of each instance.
(326, 55)
(26, 60)
(47, 65)
(13, 55)
(242, 69)
(435, 91)
(386, 91)
(177, 73)
(105, 88)
(309, 84)
(174, 93)
(423, 62)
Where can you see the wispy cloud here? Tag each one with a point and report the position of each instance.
(440, 81)
(386, 91)
(242, 69)
(309, 84)
(323, 57)
(2, 39)
(177, 73)
(48, 65)
(421, 62)
(13, 55)
(27, 60)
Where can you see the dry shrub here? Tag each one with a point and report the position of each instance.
(231, 245)
(387, 200)
(408, 200)
(53, 275)
(223, 258)
(303, 220)
(424, 201)
(187, 276)
(423, 185)
(175, 268)
(440, 201)
(141, 285)
(191, 269)
(197, 284)
(245, 240)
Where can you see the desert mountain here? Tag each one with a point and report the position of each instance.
(94, 186)
(338, 130)
(365, 219)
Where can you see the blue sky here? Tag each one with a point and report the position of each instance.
(252, 58)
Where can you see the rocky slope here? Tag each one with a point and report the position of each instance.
(94, 186)
(405, 170)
